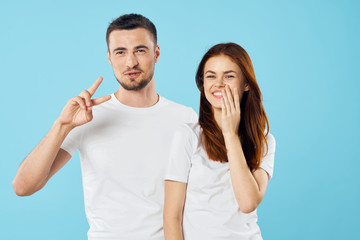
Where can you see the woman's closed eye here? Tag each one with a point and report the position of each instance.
(229, 76)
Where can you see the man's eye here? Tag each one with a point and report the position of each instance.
(140, 51)
(120, 53)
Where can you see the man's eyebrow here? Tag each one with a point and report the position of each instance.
(140, 46)
(119, 48)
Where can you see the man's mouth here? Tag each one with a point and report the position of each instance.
(133, 74)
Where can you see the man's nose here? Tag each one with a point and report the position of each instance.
(131, 60)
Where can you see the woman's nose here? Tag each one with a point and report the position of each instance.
(220, 82)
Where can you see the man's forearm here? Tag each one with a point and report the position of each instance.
(33, 171)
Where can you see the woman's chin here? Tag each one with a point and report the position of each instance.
(216, 107)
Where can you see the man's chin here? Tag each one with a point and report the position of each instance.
(134, 86)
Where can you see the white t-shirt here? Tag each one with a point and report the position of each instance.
(124, 153)
(211, 210)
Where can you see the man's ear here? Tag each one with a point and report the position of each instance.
(108, 56)
(157, 53)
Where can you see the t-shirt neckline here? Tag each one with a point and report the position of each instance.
(136, 109)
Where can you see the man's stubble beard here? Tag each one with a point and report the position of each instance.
(142, 84)
(130, 87)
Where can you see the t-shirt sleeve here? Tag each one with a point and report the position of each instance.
(73, 140)
(194, 116)
(267, 162)
(181, 151)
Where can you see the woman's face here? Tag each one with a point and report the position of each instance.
(220, 71)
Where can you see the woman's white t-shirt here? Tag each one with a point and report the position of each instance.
(211, 210)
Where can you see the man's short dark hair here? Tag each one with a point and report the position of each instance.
(129, 22)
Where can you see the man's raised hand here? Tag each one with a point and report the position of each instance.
(78, 110)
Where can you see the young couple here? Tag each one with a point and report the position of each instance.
(216, 167)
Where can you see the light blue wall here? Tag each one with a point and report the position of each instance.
(306, 59)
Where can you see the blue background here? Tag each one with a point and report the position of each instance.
(306, 59)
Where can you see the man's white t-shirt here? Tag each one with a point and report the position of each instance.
(211, 211)
(124, 153)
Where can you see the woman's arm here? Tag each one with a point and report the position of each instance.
(249, 187)
(173, 209)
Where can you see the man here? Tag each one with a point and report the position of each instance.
(123, 140)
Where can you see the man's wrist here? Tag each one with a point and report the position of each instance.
(62, 128)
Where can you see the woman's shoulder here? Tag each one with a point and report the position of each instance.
(269, 137)
(271, 143)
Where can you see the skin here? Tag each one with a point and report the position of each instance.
(134, 51)
(139, 55)
(224, 85)
(47, 158)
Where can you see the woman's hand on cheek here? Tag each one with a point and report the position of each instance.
(230, 111)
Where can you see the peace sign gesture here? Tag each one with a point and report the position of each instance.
(78, 110)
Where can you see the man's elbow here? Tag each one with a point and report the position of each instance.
(21, 190)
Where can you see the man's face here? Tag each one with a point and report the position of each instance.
(133, 55)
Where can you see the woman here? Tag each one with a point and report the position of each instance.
(219, 168)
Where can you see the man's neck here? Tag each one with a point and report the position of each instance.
(143, 98)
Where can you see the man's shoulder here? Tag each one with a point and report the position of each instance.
(177, 109)
(171, 103)
(192, 128)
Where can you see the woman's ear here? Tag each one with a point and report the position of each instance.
(246, 87)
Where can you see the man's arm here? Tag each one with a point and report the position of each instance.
(43, 162)
(47, 158)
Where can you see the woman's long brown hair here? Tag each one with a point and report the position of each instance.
(253, 117)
